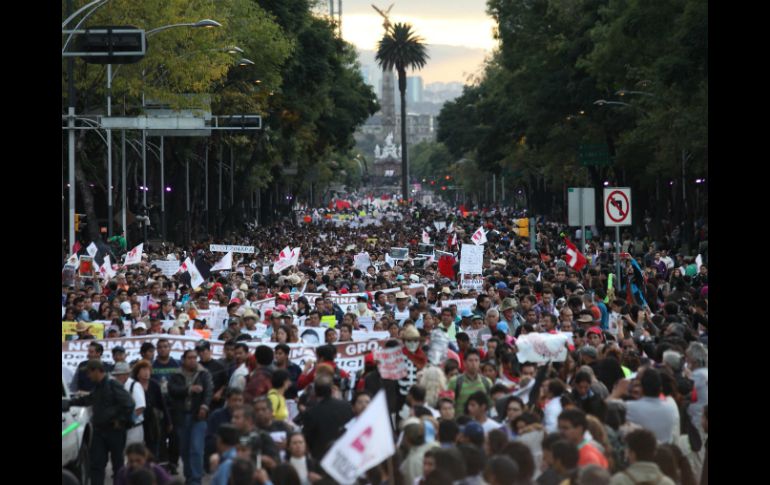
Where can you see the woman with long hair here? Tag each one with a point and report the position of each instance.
(303, 307)
(298, 457)
(157, 418)
(281, 335)
(434, 381)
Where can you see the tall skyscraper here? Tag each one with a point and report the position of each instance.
(414, 89)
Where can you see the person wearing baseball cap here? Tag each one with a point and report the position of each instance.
(594, 336)
(120, 372)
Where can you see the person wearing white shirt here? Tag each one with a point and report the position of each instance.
(477, 407)
(121, 373)
(553, 389)
(650, 412)
(238, 379)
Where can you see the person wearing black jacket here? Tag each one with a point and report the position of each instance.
(216, 369)
(325, 422)
(107, 399)
(190, 390)
(585, 398)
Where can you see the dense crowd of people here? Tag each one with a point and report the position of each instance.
(627, 405)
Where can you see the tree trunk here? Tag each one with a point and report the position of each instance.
(404, 163)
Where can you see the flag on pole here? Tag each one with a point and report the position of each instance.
(224, 264)
(575, 258)
(92, 250)
(135, 255)
(289, 259)
(195, 276)
(366, 443)
(452, 241)
(425, 237)
(479, 237)
(76, 247)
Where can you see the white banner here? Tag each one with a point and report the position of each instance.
(226, 248)
(195, 276)
(471, 259)
(366, 443)
(542, 347)
(479, 237)
(350, 355)
(169, 268)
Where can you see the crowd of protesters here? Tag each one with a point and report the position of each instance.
(628, 405)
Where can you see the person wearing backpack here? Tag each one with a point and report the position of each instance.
(135, 434)
(112, 411)
(469, 382)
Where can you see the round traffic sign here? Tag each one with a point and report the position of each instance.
(617, 206)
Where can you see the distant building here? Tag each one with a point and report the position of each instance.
(414, 89)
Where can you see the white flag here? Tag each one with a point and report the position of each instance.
(195, 276)
(454, 241)
(698, 262)
(73, 260)
(479, 237)
(105, 270)
(92, 250)
(366, 443)
(289, 259)
(425, 237)
(135, 255)
(226, 263)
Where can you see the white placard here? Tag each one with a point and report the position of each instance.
(169, 268)
(471, 259)
(542, 347)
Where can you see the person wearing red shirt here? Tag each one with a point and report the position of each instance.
(572, 427)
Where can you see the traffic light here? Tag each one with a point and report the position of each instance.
(523, 225)
(79, 219)
(448, 177)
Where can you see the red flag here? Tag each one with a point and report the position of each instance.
(76, 247)
(575, 258)
(446, 266)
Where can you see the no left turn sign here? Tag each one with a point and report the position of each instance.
(617, 206)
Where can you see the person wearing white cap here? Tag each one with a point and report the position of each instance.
(121, 373)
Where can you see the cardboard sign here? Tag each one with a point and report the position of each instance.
(87, 269)
(168, 268)
(399, 253)
(362, 261)
(472, 282)
(471, 259)
(391, 363)
(542, 347)
(329, 321)
(68, 331)
(468, 303)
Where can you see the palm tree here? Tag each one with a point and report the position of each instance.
(402, 49)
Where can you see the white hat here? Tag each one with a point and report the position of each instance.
(140, 325)
(125, 307)
(414, 278)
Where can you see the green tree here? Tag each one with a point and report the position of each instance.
(401, 49)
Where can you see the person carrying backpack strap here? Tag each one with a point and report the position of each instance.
(469, 382)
